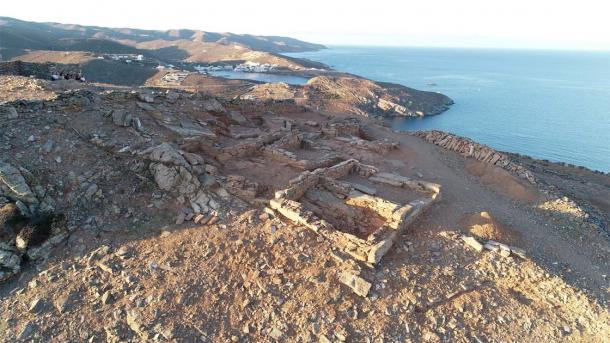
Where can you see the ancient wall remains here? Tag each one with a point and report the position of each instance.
(478, 151)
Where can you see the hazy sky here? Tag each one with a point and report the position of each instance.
(582, 24)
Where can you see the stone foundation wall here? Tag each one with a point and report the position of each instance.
(469, 148)
(397, 217)
(345, 128)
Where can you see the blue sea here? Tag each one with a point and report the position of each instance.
(263, 77)
(551, 105)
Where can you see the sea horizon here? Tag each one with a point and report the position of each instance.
(517, 49)
(518, 101)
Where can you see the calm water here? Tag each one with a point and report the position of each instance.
(547, 104)
(264, 77)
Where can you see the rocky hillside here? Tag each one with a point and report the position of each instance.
(355, 95)
(19, 34)
(147, 214)
(21, 38)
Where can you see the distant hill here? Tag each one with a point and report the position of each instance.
(17, 36)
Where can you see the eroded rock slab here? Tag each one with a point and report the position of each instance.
(14, 185)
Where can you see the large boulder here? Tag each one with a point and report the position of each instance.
(121, 118)
(10, 111)
(174, 178)
(13, 184)
(167, 154)
(214, 106)
(10, 261)
(146, 97)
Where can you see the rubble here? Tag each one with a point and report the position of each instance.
(359, 285)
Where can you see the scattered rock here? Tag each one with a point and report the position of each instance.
(214, 106)
(137, 124)
(174, 178)
(47, 146)
(167, 154)
(107, 298)
(146, 97)
(10, 261)
(63, 302)
(134, 323)
(473, 243)
(36, 306)
(359, 285)
(276, 333)
(27, 331)
(145, 106)
(121, 118)
(11, 112)
(237, 117)
(123, 252)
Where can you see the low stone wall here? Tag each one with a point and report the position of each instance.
(397, 216)
(473, 149)
(379, 146)
(344, 128)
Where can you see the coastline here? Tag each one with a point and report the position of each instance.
(506, 99)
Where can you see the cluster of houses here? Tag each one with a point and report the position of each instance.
(247, 67)
(127, 58)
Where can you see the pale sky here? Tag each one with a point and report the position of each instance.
(555, 24)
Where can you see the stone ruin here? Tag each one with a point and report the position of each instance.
(293, 149)
(351, 132)
(352, 215)
(299, 149)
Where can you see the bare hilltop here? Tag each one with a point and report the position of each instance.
(143, 199)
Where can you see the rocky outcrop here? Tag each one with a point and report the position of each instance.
(364, 97)
(27, 227)
(13, 184)
(181, 173)
(469, 148)
(355, 95)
